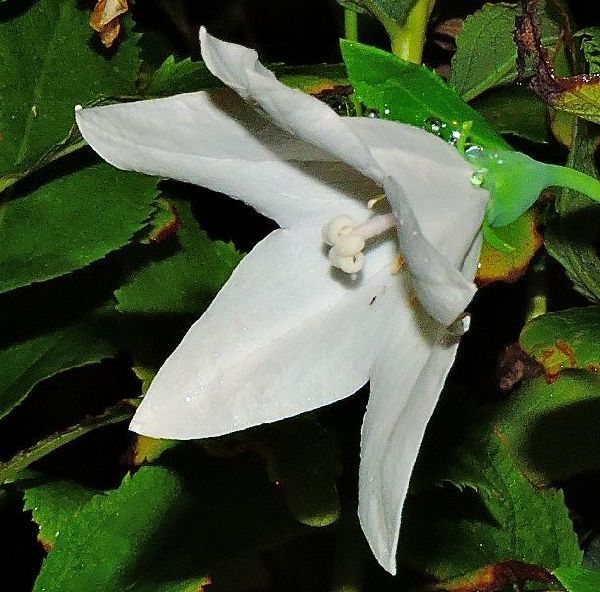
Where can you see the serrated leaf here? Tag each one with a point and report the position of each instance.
(517, 111)
(53, 505)
(26, 362)
(181, 277)
(566, 339)
(485, 49)
(17, 465)
(572, 238)
(499, 516)
(578, 579)
(48, 65)
(70, 222)
(165, 528)
(551, 428)
(413, 94)
(523, 236)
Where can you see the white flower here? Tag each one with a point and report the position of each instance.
(288, 332)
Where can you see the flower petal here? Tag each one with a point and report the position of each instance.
(282, 337)
(216, 140)
(406, 382)
(298, 113)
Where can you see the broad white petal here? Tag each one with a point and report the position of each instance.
(283, 336)
(300, 114)
(406, 381)
(216, 140)
(435, 179)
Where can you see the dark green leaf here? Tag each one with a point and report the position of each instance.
(49, 62)
(166, 528)
(565, 339)
(497, 516)
(303, 460)
(551, 428)
(12, 469)
(412, 94)
(578, 579)
(590, 44)
(70, 222)
(394, 10)
(485, 49)
(183, 274)
(517, 111)
(573, 237)
(26, 362)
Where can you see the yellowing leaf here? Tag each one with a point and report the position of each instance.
(105, 19)
(496, 266)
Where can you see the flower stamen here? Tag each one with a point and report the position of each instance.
(347, 241)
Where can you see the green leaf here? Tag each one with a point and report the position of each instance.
(49, 64)
(395, 10)
(182, 275)
(412, 94)
(53, 505)
(566, 339)
(71, 221)
(28, 361)
(173, 77)
(551, 429)
(303, 460)
(497, 516)
(485, 49)
(578, 579)
(572, 237)
(166, 528)
(517, 111)
(590, 44)
(14, 468)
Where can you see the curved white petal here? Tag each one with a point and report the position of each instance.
(406, 381)
(300, 114)
(216, 140)
(283, 336)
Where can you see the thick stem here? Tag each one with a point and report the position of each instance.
(350, 25)
(576, 180)
(408, 39)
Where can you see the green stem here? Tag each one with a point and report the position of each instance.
(350, 25)
(575, 180)
(408, 39)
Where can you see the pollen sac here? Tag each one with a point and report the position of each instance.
(351, 264)
(338, 227)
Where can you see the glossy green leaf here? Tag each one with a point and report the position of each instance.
(578, 579)
(182, 274)
(412, 94)
(572, 238)
(165, 528)
(551, 429)
(487, 511)
(517, 111)
(71, 221)
(31, 359)
(566, 339)
(50, 62)
(485, 49)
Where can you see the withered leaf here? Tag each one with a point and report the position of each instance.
(106, 19)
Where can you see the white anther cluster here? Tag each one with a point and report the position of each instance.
(346, 244)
